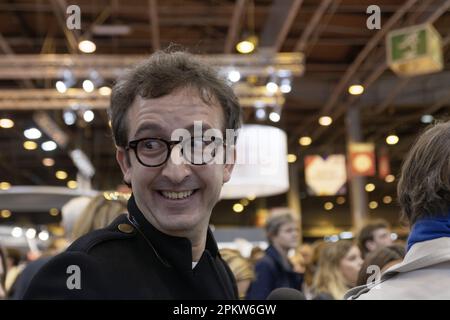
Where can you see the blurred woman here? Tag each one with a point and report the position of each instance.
(384, 258)
(242, 269)
(2, 273)
(311, 268)
(338, 269)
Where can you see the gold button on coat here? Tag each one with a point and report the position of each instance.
(125, 228)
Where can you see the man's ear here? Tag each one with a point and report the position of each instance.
(124, 162)
(229, 165)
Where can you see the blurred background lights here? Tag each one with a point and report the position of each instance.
(32, 133)
(87, 46)
(234, 76)
(325, 121)
(48, 145)
(392, 139)
(88, 115)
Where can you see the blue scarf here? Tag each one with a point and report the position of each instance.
(429, 228)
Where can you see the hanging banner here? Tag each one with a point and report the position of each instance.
(414, 50)
(361, 159)
(325, 176)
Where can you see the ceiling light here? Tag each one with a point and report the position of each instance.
(72, 184)
(328, 206)
(260, 114)
(48, 145)
(32, 133)
(244, 202)
(272, 87)
(274, 117)
(88, 85)
(237, 207)
(5, 185)
(285, 86)
(61, 86)
(340, 200)
(43, 235)
(370, 187)
(69, 117)
(17, 232)
(105, 91)
(234, 76)
(5, 214)
(30, 233)
(247, 45)
(373, 204)
(387, 199)
(325, 121)
(87, 46)
(61, 175)
(427, 118)
(6, 123)
(392, 139)
(48, 162)
(389, 178)
(356, 89)
(88, 116)
(305, 141)
(30, 145)
(291, 158)
(54, 212)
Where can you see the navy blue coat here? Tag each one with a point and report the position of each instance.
(272, 273)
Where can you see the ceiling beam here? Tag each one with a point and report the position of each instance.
(353, 68)
(281, 16)
(311, 26)
(154, 24)
(233, 29)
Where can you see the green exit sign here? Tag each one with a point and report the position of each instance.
(414, 50)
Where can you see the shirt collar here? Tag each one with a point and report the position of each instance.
(177, 251)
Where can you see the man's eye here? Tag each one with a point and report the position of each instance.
(151, 145)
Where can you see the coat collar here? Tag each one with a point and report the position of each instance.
(176, 251)
(424, 254)
(421, 255)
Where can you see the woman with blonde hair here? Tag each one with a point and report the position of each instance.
(338, 269)
(241, 268)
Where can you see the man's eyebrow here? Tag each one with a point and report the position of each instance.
(149, 127)
(205, 127)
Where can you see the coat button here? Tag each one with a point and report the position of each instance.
(125, 228)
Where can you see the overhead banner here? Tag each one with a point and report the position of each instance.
(361, 159)
(414, 50)
(325, 176)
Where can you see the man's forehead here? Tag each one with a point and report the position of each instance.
(170, 112)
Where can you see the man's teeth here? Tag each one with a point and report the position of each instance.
(177, 195)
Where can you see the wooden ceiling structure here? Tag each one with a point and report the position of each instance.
(337, 47)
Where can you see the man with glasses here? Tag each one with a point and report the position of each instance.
(168, 116)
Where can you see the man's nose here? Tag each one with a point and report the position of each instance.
(176, 168)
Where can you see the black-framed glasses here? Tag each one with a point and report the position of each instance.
(154, 152)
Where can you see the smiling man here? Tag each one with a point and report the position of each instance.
(163, 249)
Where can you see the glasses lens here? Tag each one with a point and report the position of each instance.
(198, 151)
(152, 152)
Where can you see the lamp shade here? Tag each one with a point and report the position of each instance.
(261, 167)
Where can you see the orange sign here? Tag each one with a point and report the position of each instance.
(361, 159)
